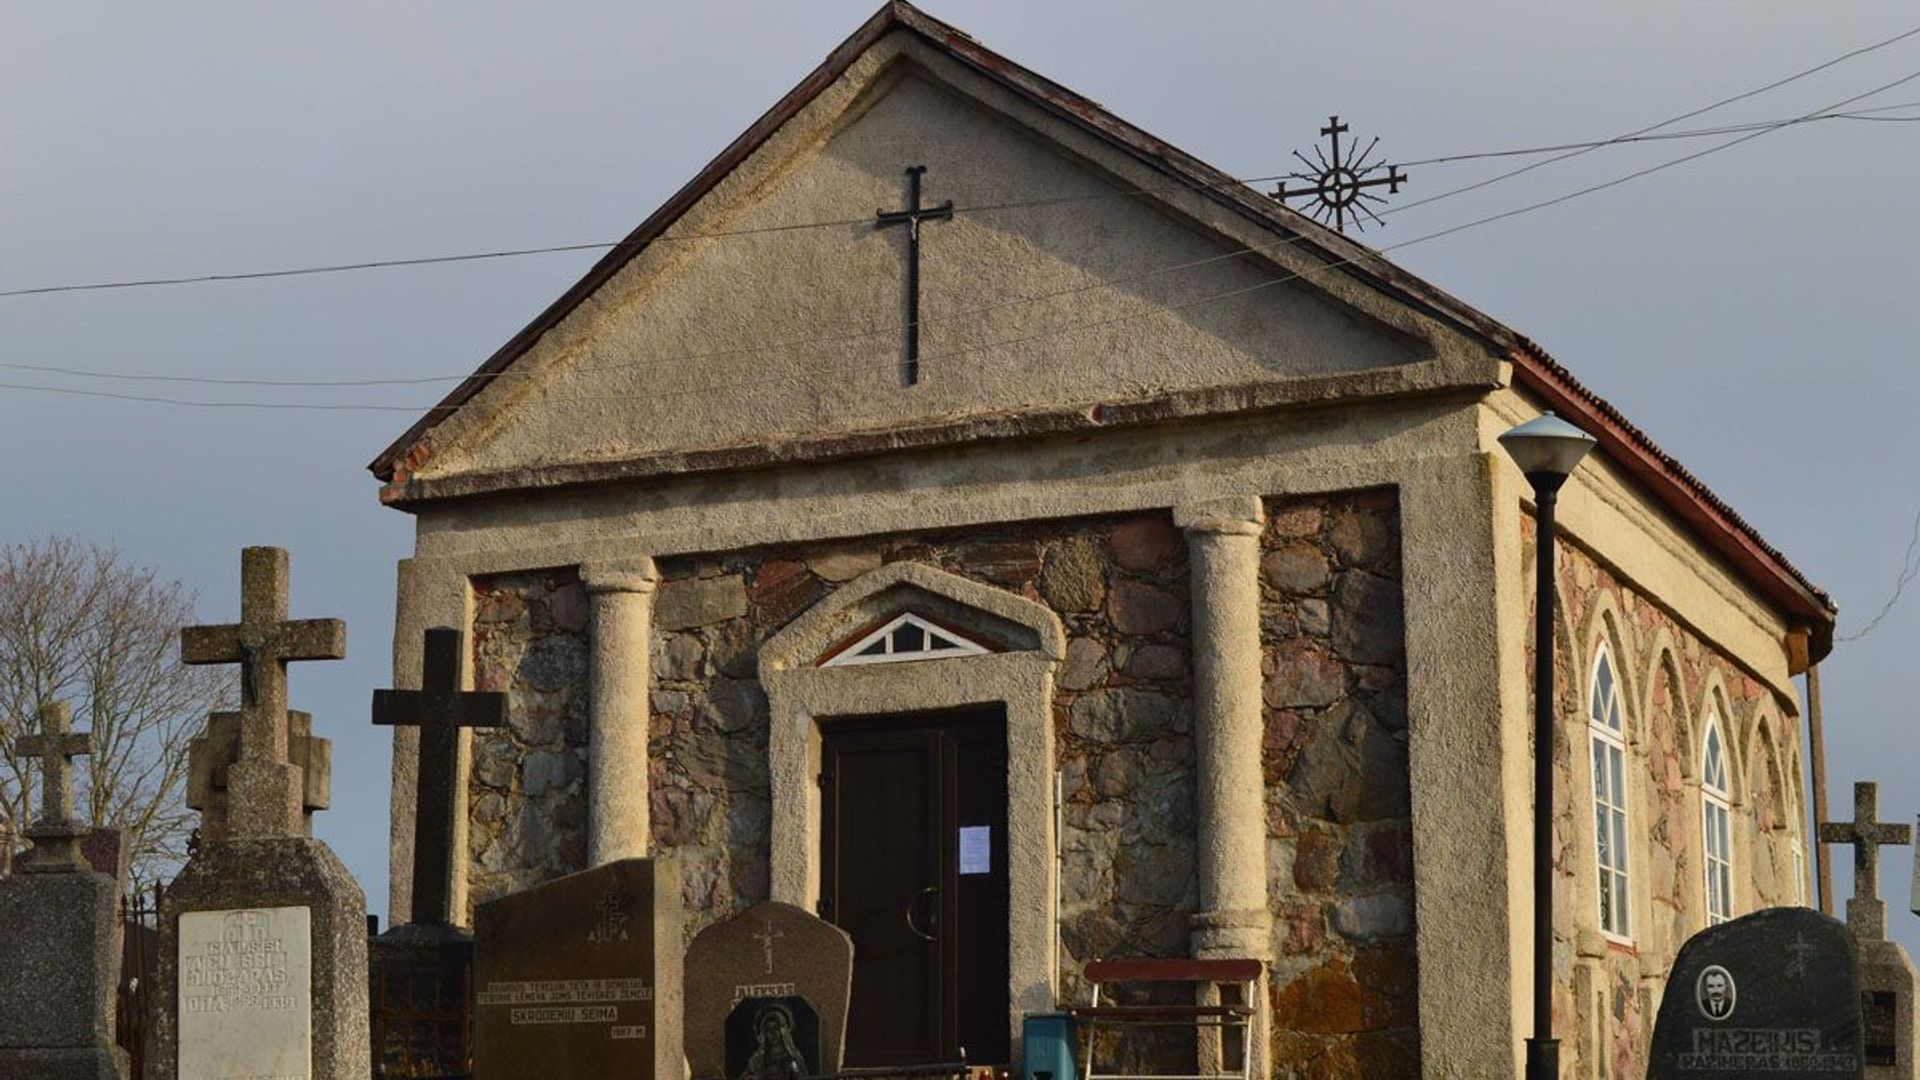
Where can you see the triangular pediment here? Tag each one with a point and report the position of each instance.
(1071, 274)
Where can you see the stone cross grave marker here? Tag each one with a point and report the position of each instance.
(59, 942)
(1771, 994)
(1887, 976)
(580, 977)
(1866, 912)
(263, 934)
(214, 751)
(439, 709)
(265, 789)
(768, 953)
(56, 836)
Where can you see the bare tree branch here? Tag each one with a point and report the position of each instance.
(80, 625)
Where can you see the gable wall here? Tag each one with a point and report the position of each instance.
(692, 344)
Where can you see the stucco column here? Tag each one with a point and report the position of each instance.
(1223, 546)
(618, 796)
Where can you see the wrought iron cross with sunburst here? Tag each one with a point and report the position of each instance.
(1337, 181)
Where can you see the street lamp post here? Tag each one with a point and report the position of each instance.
(1546, 448)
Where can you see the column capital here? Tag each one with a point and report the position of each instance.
(1239, 516)
(635, 575)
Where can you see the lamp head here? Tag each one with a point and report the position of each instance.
(1547, 449)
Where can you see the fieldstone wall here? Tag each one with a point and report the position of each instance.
(1670, 678)
(527, 810)
(1335, 758)
(1125, 745)
(1339, 815)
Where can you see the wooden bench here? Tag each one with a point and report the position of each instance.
(1234, 1016)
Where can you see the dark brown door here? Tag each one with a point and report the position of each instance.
(915, 868)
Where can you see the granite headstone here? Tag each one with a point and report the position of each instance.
(581, 977)
(59, 934)
(770, 950)
(1774, 994)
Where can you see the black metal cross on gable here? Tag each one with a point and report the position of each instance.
(1338, 182)
(262, 643)
(911, 217)
(439, 709)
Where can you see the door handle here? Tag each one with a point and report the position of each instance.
(931, 890)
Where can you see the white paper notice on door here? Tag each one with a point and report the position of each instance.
(976, 849)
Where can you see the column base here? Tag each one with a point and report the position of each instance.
(1232, 935)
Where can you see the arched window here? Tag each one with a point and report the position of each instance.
(1606, 727)
(1715, 824)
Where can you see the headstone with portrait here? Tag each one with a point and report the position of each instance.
(776, 973)
(1773, 994)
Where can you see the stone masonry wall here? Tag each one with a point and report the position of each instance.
(1337, 803)
(527, 791)
(1607, 990)
(1339, 810)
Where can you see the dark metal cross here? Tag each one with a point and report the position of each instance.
(439, 709)
(911, 217)
(262, 643)
(1338, 184)
(56, 746)
(1867, 835)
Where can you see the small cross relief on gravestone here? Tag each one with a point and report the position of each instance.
(772, 975)
(1772, 994)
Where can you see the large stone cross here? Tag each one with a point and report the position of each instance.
(439, 709)
(55, 835)
(1866, 912)
(264, 788)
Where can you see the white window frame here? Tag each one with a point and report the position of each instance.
(1716, 823)
(1800, 871)
(960, 646)
(1607, 746)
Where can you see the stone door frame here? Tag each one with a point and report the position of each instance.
(1028, 644)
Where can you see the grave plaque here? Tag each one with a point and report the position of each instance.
(581, 977)
(246, 994)
(1775, 994)
(770, 950)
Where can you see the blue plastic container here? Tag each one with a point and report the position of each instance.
(1047, 1040)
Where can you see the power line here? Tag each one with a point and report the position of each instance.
(839, 338)
(1575, 150)
(1670, 121)
(1909, 569)
(1692, 133)
(985, 208)
(1097, 324)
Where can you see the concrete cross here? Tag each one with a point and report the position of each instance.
(1866, 914)
(55, 836)
(439, 709)
(262, 643)
(56, 746)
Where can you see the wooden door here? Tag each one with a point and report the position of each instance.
(914, 868)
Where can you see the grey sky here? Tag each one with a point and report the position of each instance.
(1751, 311)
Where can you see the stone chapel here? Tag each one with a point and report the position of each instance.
(1158, 589)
